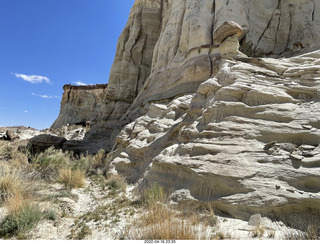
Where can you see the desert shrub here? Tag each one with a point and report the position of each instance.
(98, 160)
(170, 229)
(258, 231)
(55, 196)
(212, 219)
(160, 222)
(50, 215)
(154, 195)
(71, 178)
(11, 154)
(219, 236)
(48, 163)
(15, 182)
(81, 232)
(9, 185)
(116, 184)
(91, 163)
(81, 163)
(20, 221)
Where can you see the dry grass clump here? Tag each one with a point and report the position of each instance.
(116, 184)
(10, 153)
(48, 163)
(91, 164)
(171, 229)
(71, 178)
(15, 201)
(12, 193)
(65, 167)
(258, 231)
(309, 229)
(313, 232)
(17, 193)
(14, 183)
(9, 184)
(20, 220)
(98, 160)
(162, 223)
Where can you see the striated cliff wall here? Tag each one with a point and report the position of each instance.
(233, 123)
(218, 100)
(80, 104)
(167, 49)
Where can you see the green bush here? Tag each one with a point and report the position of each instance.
(48, 163)
(91, 163)
(116, 184)
(21, 221)
(154, 194)
(50, 215)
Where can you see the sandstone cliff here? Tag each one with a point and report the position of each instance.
(231, 119)
(80, 104)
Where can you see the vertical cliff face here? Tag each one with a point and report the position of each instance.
(167, 49)
(132, 63)
(218, 99)
(130, 69)
(185, 53)
(80, 104)
(229, 119)
(284, 26)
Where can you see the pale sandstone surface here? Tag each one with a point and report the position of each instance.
(232, 129)
(167, 49)
(80, 104)
(247, 141)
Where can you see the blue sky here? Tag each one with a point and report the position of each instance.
(45, 44)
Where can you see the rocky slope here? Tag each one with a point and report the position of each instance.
(226, 113)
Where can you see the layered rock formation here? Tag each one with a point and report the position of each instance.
(219, 102)
(247, 140)
(80, 104)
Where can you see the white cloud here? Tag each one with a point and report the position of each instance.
(79, 83)
(25, 111)
(45, 96)
(34, 79)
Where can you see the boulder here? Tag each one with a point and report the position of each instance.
(9, 136)
(255, 220)
(40, 143)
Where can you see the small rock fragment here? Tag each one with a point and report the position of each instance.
(255, 220)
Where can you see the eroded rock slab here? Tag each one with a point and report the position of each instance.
(236, 142)
(40, 143)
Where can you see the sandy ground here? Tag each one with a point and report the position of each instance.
(116, 225)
